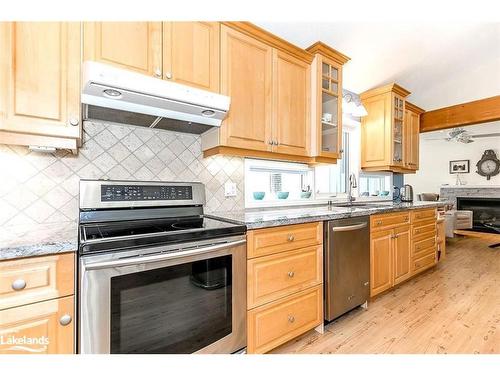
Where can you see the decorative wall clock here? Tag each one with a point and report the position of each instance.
(488, 165)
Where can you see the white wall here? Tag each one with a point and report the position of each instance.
(435, 156)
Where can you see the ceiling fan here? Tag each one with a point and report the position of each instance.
(463, 136)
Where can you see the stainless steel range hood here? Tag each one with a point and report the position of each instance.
(118, 95)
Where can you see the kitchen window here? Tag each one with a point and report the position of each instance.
(273, 183)
(332, 180)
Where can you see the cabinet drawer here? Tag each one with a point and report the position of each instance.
(275, 240)
(52, 320)
(275, 276)
(421, 264)
(276, 323)
(387, 221)
(427, 229)
(420, 215)
(424, 247)
(29, 280)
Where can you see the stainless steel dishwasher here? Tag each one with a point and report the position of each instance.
(346, 265)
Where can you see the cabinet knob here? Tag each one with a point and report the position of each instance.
(271, 142)
(378, 222)
(291, 318)
(74, 122)
(407, 218)
(157, 73)
(291, 274)
(290, 238)
(19, 284)
(168, 75)
(276, 143)
(65, 319)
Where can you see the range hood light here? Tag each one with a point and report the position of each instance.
(112, 93)
(208, 113)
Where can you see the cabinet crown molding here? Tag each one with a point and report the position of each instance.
(266, 37)
(412, 107)
(327, 51)
(392, 87)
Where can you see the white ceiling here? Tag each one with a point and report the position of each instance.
(442, 64)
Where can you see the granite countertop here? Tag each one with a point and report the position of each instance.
(42, 239)
(264, 218)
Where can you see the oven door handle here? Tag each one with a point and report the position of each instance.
(160, 257)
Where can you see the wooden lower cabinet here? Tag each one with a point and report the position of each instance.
(37, 305)
(380, 262)
(284, 284)
(39, 328)
(36, 279)
(274, 324)
(278, 275)
(398, 249)
(402, 254)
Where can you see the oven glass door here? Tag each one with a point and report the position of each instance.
(181, 308)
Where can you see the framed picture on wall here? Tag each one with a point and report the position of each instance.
(459, 166)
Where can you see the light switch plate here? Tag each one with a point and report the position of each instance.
(230, 189)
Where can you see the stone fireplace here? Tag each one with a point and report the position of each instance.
(483, 201)
(485, 212)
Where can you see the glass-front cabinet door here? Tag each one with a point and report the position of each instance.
(398, 133)
(330, 117)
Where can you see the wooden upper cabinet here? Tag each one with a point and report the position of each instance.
(326, 103)
(246, 70)
(291, 116)
(50, 322)
(383, 134)
(412, 129)
(40, 83)
(191, 53)
(135, 46)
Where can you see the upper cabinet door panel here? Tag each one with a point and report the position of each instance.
(373, 141)
(40, 78)
(191, 53)
(130, 45)
(291, 110)
(246, 68)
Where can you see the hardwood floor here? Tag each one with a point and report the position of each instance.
(451, 308)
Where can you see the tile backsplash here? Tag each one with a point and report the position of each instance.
(43, 188)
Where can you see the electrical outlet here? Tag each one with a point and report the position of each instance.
(230, 189)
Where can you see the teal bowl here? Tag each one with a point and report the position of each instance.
(306, 194)
(282, 194)
(384, 193)
(258, 195)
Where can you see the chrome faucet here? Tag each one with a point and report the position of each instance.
(352, 185)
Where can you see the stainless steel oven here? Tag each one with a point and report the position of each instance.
(183, 291)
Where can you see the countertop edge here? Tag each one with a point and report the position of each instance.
(322, 217)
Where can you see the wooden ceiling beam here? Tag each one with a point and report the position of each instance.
(476, 112)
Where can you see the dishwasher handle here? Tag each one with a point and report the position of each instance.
(347, 228)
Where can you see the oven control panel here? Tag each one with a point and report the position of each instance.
(120, 193)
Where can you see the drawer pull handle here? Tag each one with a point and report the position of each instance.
(19, 284)
(417, 231)
(290, 238)
(65, 320)
(407, 218)
(291, 318)
(291, 274)
(378, 222)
